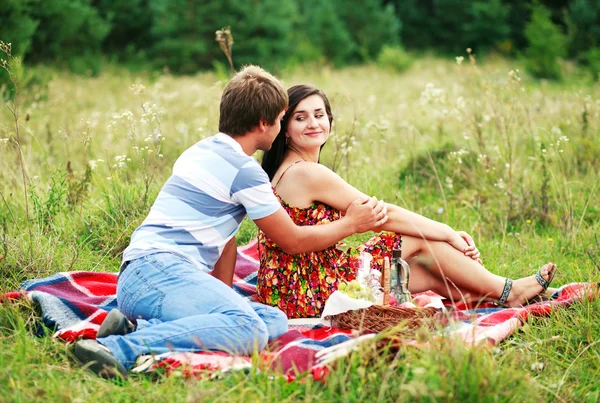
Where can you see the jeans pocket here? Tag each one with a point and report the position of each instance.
(138, 297)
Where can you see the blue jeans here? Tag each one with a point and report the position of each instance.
(179, 307)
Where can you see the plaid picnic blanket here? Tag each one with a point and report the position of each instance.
(74, 304)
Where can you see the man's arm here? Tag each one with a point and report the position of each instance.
(225, 266)
(362, 215)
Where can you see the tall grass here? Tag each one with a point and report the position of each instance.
(483, 148)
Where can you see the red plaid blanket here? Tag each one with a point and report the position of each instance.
(74, 304)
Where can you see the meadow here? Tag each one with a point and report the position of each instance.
(480, 146)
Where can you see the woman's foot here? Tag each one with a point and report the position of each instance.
(526, 289)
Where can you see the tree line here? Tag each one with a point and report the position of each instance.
(180, 34)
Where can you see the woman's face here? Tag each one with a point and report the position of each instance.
(308, 126)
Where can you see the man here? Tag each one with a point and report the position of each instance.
(165, 283)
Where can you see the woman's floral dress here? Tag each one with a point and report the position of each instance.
(300, 284)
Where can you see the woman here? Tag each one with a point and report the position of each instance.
(441, 259)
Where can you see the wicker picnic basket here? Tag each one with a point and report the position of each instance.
(377, 318)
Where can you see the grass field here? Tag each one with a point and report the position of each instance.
(484, 148)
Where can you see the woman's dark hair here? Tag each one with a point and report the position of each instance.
(273, 158)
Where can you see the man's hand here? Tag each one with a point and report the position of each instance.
(366, 213)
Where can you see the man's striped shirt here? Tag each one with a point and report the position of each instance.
(201, 206)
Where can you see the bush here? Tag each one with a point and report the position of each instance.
(88, 64)
(546, 45)
(394, 58)
(36, 80)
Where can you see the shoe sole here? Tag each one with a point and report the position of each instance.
(99, 361)
(115, 323)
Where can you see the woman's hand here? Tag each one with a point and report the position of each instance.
(471, 250)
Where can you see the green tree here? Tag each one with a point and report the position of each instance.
(67, 28)
(321, 29)
(180, 34)
(266, 34)
(584, 26)
(546, 44)
(183, 32)
(487, 24)
(18, 26)
(130, 22)
(371, 25)
(419, 28)
(519, 15)
(453, 25)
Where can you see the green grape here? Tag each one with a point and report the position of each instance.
(355, 290)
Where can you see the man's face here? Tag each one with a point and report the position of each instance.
(271, 133)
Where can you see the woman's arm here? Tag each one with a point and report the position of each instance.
(406, 222)
(319, 183)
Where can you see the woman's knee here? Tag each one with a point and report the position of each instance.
(412, 246)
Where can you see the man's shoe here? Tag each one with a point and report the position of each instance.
(98, 359)
(115, 323)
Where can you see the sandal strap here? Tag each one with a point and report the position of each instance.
(505, 291)
(541, 280)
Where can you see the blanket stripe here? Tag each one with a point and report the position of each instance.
(74, 304)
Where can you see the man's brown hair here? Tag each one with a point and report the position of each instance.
(252, 95)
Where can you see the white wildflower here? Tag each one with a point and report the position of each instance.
(537, 366)
(120, 161)
(431, 94)
(513, 75)
(137, 89)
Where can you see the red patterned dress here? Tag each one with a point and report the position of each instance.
(300, 284)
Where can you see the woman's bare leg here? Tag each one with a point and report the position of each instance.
(440, 267)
